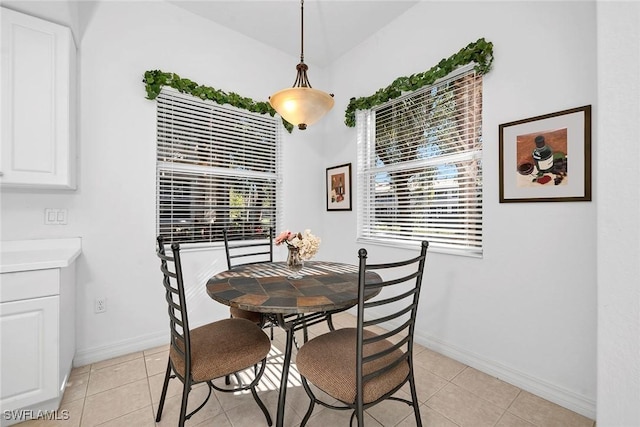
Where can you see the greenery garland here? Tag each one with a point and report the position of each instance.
(480, 52)
(155, 79)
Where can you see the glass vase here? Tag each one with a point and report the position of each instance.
(294, 263)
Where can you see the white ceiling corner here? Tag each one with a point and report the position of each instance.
(331, 27)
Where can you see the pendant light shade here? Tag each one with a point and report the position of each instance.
(301, 105)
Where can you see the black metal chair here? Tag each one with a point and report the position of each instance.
(249, 252)
(361, 367)
(212, 351)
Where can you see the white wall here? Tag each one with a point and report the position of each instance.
(113, 209)
(495, 313)
(618, 214)
(526, 311)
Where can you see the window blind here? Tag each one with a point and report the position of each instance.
(420, 167)
(217, 167)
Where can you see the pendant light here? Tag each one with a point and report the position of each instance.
(301, 105)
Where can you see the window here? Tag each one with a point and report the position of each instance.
(217, 168)
(420, 167)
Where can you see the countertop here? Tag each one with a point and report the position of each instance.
(38, 254)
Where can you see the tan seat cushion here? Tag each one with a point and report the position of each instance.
(329, 362)
(222, 348)
(253, 316)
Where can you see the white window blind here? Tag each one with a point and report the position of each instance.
(217, 167)
(420, 167)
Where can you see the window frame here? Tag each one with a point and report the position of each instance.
(231, 178)
(370, 225)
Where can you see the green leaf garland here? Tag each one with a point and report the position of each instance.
(480, 52)
(155, 79)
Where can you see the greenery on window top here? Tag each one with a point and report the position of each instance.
(480, 52)
(155, 79)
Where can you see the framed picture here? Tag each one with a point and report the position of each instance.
(339, 188)
(546, 158)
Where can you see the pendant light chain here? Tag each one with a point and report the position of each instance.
(301, 30)
(301, 77)
(301, 105)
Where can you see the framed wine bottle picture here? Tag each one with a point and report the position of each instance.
(546, 158)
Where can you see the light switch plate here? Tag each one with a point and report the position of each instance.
(55, 216)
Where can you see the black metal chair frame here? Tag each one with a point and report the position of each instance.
(181, 341)
(409, 299)
(247, 245)
(255, 248)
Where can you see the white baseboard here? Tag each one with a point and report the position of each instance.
(552, 392)
(98, 354)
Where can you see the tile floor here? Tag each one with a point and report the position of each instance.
(125, 391)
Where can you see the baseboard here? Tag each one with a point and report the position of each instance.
(552, 392)
(98, 354)
(546, 390)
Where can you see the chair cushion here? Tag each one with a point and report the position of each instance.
(253, 316)
(222, 348)
(329, 362)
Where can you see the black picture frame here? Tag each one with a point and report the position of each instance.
(527, 177)
(338, 188)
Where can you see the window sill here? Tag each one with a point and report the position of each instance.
(433, 248)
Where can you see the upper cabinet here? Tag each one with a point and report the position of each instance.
(38, 98)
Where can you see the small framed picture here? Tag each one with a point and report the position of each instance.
(339, 188)
(546, 158)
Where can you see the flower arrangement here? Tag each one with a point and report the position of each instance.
(306, 243)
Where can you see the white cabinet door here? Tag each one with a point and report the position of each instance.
(29, 365)
(38, 103)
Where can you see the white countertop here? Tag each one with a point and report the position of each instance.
(38, 254)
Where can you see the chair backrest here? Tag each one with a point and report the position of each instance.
(171, 268)
(396, 307)
(248, 251)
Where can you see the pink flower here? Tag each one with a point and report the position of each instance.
(284, 237)
(306, 243)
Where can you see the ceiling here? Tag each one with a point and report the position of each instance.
(331, 27)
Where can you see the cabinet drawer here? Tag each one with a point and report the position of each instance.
(29, 284)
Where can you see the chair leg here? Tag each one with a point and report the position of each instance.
(305, 332)
(185, 398)
(211, 387)
(330, 323)
(164, 392)
(414, 399)
(263, 324)
(353, 415)
(261, 405)
(242, 386)
(254, 384)
(359, 413)
(312, 402)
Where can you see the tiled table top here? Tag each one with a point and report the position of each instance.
(265, 287)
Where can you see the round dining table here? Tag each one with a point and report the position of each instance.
(325, 288)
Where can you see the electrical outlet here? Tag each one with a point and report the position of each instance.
(101, 305)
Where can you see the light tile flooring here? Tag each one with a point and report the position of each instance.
(125, 391)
